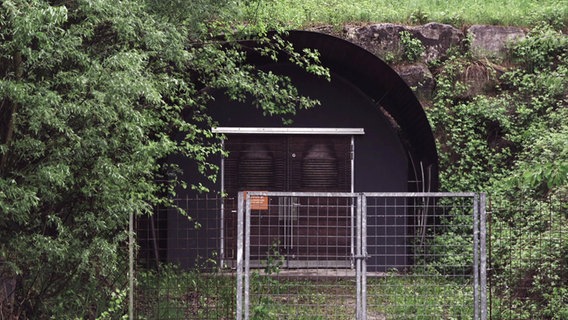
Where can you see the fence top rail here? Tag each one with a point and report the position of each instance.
(421, 194)
(366, 194)
(301, 194)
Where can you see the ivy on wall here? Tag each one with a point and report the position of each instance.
(512, 142)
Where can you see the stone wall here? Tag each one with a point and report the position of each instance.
(485, 43)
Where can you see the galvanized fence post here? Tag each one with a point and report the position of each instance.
(358, 271)
(363, 219)
(476, 294)
(247, 254)
(240, 234)
(131, 275)
(483, 253)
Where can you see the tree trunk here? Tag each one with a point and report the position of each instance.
(7, 294)
(10, 113)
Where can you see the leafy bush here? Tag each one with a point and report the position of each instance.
(92, 97)
(412, 47)
(512, 144)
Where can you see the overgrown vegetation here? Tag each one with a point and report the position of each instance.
(302, 13)
(411, 47)
(92, 93)
(512, 142)
(176, 294)
(432, 297)
(171, 293)
(92, 96)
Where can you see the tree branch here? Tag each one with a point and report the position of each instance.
(11, 112)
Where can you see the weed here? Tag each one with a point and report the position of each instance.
(418, 17)
(274, 260)
(412, 47)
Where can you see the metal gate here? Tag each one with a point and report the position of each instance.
(363, 256)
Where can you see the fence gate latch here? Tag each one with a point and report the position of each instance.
(364, 256)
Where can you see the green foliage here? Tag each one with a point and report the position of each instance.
(512, 144)
(309, 299)
(543, 48)
(541, 111)
(274, 259)
(471, 133)
(92, 94)
(418, 16)
(534, 276)
(432, 296)
(500, 137)
(172, 293)
(117, 306)
(298, 13)
(412, 47)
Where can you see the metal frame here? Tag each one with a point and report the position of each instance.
(280, 130)
(360, 256)
(476, 256)
(240, 255)
(483, 255)
(222, 210)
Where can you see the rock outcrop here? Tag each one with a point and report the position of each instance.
(418, 77)
(492, 41)
(437, 40)
(384, 39)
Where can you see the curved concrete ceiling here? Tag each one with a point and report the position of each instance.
(380, 83)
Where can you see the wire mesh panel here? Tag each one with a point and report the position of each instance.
(362, 256)
(423, 256)
(529, 258)
(299, 256)
(312, 256)
(182, 261)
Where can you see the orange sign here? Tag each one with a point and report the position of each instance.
(258, 202)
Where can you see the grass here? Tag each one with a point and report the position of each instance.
(174, 294)
(274, 298)
(421, 297)
(303, 13)
(393, 297)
